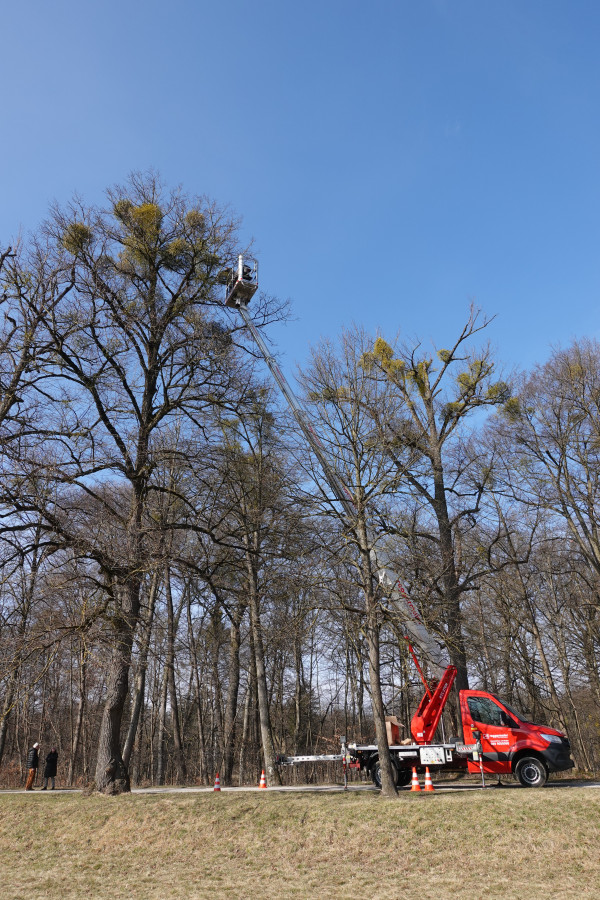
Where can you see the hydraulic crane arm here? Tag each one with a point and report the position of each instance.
(242, 285)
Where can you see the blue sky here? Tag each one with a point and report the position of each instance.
(392, 160)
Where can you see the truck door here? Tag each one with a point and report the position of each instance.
(498, 729)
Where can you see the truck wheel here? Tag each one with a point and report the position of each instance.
(531, 772)
(404, 777)
(376, 773)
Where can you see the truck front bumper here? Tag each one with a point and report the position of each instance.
(558, 757)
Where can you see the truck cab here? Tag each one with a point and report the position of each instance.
(510, 744)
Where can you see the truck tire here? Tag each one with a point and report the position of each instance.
(404, 777)
(531, 772)
(376, 772)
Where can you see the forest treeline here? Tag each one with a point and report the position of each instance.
(180, 592)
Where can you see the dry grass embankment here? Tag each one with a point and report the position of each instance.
(502, 844)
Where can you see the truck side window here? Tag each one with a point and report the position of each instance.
(484, 710)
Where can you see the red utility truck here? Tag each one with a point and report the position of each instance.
(496, 739)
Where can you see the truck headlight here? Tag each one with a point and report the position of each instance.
(552, 738)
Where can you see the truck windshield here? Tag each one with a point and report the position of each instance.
(519, 716)
(488, 712)
(484, 710)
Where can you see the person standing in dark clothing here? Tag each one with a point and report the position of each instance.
(50, 768)
(32, 766)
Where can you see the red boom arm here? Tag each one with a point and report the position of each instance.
(426, 719)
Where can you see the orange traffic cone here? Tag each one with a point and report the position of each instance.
(415, 786)
(428, 781)
(217, 786)
(263, 780)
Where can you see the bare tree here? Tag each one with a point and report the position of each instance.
(553, 426)
(343, 395)
(435, 400)
(135, 341)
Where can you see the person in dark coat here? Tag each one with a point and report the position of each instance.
(32, 766)
(50, 768)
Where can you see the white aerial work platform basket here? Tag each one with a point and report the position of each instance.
(242, 282)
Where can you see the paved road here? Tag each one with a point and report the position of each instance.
(444, 788)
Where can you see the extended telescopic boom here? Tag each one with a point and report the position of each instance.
(241, 287)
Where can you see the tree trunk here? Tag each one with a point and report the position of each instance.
(80, 713)
(111, 773)
(13, 679)
(198, 685)
(388, 781)
(565, 667)
(298, 691)
(266, 733)
(172, 624)
(556, 715)
(140, 677)
(453, 613)
(6, 711)
(232, 694)
(162, 720)
(217, 706)
(245, 731)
